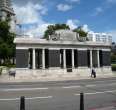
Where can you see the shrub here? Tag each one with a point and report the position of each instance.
(11, 66)
(0, 71)
(113, 67)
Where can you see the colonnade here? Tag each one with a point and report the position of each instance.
(64, 58)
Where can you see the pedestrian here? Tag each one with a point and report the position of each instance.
(93, 73)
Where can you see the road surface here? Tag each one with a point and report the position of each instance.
(99, 94)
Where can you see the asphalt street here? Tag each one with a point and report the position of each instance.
(99, 94)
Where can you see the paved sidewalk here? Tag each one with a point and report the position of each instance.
(5, 78)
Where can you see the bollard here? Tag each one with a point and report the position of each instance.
(81, 101)
(22, 103)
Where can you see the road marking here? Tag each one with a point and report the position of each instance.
(10, 99)
(105, 108)
(90, 85)
(100, 81)
(31, 98)
(23, 89)
(93, 93)
(93, 85)
(68, 87)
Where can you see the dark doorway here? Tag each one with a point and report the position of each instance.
(69, 60)
(101, 58)
(88, 57)
(38, 58)
(30, 58)
(76, 58)
(46, 58)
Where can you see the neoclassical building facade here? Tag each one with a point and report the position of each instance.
(63, 53)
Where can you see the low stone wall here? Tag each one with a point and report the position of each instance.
(57, 72)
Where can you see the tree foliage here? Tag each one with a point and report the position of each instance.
(113, 57)
(7, 47)
(80, 31)
(52, 28)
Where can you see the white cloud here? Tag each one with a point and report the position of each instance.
(73, 1)
(64, 7)
(85, 28)
(24, 2)
(72, 23)
(97, 11)
(37, 31)
(75, 23)
(42, 9)
(30, 13)
(111, 1)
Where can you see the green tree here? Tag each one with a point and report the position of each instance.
(52, 28)
(80, 31)
(7, 47)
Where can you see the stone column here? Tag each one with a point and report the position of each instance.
(64, 58)
(72, 58)
(91, 59)
(98, 59)
(60, 59)
(43, 58)
(33, 58)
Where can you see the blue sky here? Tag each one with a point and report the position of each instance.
(94, 15)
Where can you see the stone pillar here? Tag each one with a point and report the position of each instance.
(64, 58)
(91, 59)
(43, 58)
(72, 58)
(98, 59)
(60, 59)
(33, 58)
